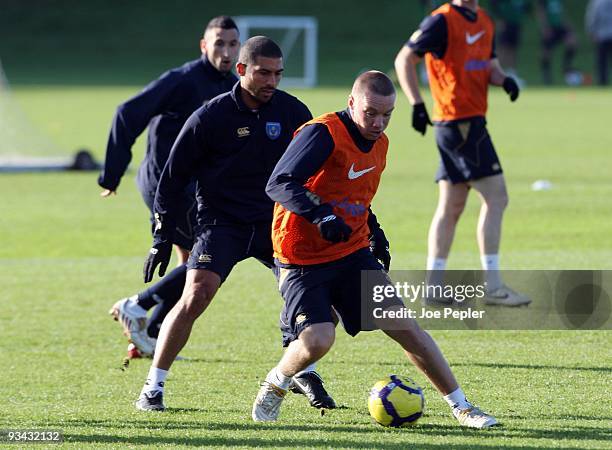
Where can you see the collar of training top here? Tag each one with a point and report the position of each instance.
(466, 12)
(212, 70)
(362, 143)
(240, 103)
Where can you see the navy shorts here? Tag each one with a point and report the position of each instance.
(466, 151)
(187, 208)
(556, 36)
(220, 246)
(310, 292)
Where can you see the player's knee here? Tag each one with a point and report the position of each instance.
(409, 335)
(317, 342)
(198, 296)
(499, 201)
(452, 210)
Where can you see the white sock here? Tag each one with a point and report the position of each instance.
(155, 380)
(435, 271)
(134, 308)
(276, 377)
(436, 263)
(456, 399)
(490, 264)
(310, 368)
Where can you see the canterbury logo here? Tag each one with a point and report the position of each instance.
(204, 258)
(243, 132)
(352, 174)
(471, 38)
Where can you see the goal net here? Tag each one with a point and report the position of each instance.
(297, 37)
(24, 147)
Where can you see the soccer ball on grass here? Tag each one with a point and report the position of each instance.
(396, 402)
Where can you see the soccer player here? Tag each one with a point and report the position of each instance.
(598, 24)
(324, 186)
(457, 40)
(511, 14)
(230, 147)
(164, 106)
(555, 30)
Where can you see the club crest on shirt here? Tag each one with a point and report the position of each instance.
(273, 130)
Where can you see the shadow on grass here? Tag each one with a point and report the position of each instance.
(530, 366)
(487, 365)
(214, 441)
(574, 433)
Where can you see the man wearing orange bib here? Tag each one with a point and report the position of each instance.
(324, 235)
(457, 40)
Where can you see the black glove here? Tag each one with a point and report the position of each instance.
(331, 227)
(379, 246)
(159, 254)
(420, 118)
(511, 88)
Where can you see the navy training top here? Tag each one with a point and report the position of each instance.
(231, 151)
(164, 105)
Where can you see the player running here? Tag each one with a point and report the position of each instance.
(458, 43)
(230, 146)
(323, 186)
(164, 106)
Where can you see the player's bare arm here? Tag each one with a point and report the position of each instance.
(499, 78)
(405, 67)
(498, 75)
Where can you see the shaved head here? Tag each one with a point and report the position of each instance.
(371, 103)
(258, 46)
(373, 82)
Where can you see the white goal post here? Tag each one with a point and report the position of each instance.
(293, 27)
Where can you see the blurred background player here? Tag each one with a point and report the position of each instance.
(164, 106)
(230, 147)
(324, 186)
(457, 41)
(598, 23)
(556, 30)
(510, 14)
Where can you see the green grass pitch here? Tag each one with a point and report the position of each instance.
(66, 255)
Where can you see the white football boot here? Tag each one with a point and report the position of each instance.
(134, 326)
(267, 404)
(473, 417)
(504, 296)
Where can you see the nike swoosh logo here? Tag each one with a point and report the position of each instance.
(470, 39)
(352, 174)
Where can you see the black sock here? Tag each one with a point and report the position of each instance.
(169, 287)
(159, 314)
(568, 59)
(546, 70)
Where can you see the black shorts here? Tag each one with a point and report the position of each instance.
(310, 292)
(220, 246)
(187, 208)
(510, 34)
(466, 151)
(556, 36)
